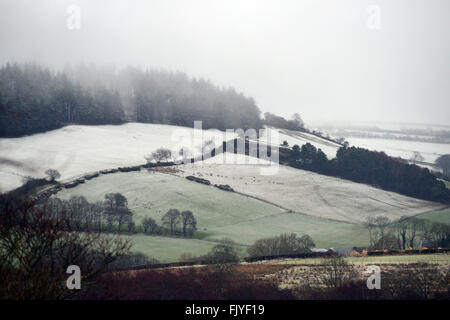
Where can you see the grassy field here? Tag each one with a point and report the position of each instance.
(439, 258)
(219, 214)
(325, 233)
(152, 194)
(310, 193)
(442, 216)
(167, 249)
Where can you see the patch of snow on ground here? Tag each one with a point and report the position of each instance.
(300, 138)
(75, 150)
(402, 148)
(310, 193)
(233, 159)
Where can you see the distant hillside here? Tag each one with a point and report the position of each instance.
(307, 192)
(293, 137)
(35, 99)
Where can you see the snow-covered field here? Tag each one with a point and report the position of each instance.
(404, 126)
(75, 150)
(309, 193)
(301, 138)
(396, 140)
(402, 148)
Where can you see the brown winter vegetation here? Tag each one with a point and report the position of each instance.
(333, 279)
(196, 283)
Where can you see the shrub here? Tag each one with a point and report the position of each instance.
(131, 260)
(150, 225)
(160, 155)
(223, 255)
(53, 174)
(281, 245)
(335, 272)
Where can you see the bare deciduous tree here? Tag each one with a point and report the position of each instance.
(208, 146)
(37, 244)
(334, 273)
(185, 153)
(415, 225)
(224, 255)
(52, 174)
(188, 222)
(171, 220)
(402, 230)
(416, 157)
(149, 224)
(161, 154)
(370, 225)
(443, 162)
(116, 209)
(282, 244)
(382, 223)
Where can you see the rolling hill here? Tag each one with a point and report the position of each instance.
(330, 210)
(75, 150)
(300, 138)
(219, 214)
(309, 193)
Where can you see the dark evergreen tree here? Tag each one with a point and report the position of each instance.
(34, 99)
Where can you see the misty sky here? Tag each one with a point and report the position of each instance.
(318, 58)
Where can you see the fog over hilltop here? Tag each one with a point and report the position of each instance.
(328, 60)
